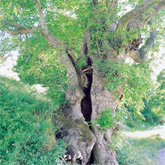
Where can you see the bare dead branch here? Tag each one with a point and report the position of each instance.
(89, 68)
(135, 12)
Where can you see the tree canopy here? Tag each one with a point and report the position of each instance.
(78, 49)
(28, 27)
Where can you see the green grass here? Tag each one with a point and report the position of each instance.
(149, 147)
(26, 130)
(142, 151)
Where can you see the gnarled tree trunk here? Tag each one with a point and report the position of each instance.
(88, 144)
(102, 99)
(87, 96)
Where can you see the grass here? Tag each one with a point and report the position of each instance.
(139, 151)
(26, 131)
(149, 147)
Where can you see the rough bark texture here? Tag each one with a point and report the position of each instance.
(88, 144)
(76, 133)
(102, 99)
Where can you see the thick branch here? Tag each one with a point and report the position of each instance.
(16, 25)
(42, 19)
(112, 6)
(50, 37)
(19, 29)
(140, 55)
(85, 47)
(148, 45)
(65, 59)
(134, 13)
(144, 18)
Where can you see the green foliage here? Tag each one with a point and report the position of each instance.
(82, 62)
(155, 107)
(133, 79)
(25, 126)
(161, 80)
(66, 20)
(38, 63)
(126, 154)
(25, 134)
(106, 119)
(116, 140)
(139, 151)
(135, 85)
(8, 45)
(41, 65)
(69, 20)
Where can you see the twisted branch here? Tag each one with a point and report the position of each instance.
(144, 18)
(19, 29)
(42, 19)
(140, 55)
(135, 12)
(148, 45)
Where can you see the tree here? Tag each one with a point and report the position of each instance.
(155, 108)
(91, 40)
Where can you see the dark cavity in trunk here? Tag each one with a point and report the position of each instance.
(86, 103)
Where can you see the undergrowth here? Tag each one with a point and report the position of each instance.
(26, 131)
(139, 151)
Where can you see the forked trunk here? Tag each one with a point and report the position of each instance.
(87, 143)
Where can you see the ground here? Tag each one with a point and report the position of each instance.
(159, 130)
(161, 157)
(151, 142)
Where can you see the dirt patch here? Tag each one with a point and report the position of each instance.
(157, 131)
(161, 157)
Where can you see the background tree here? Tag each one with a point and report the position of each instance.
(155, 108)
(77, 49)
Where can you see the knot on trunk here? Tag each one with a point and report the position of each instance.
(74, 95)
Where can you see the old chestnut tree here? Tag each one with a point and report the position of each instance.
(77, 48)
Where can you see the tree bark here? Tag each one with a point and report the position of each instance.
(102, 99)
(87, 144)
